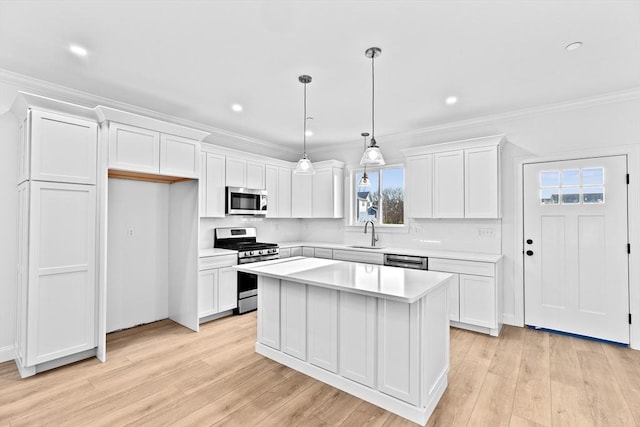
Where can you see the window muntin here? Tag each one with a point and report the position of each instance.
(383, 200)
(572, 186)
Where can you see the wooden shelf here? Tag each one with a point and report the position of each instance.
(139, 176)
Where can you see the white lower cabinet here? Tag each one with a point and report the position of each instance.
(358, 256)
(308, 252)
(217, 285)
(296, 251)
(269, 312)
(293, 309)
(473, 294)
(357, 338)
(57, 274)
(322, 327)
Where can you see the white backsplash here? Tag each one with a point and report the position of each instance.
(464, 235)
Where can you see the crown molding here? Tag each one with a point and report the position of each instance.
(63, 93)
(632, 94)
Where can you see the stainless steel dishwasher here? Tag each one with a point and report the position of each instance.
(406, 261)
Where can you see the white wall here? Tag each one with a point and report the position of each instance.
(137, 272)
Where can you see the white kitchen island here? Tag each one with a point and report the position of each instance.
(379, 333)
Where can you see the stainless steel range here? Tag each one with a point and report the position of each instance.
(243, 240)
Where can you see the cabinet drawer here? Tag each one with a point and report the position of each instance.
(285, 252)
(464, 267)
(209, 262)
(323, 253)
(356, 256)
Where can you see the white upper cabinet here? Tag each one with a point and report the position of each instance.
(320, 195)
(134, 149)
(301, 197)
(278, 186)
(61, 148)
(448, 185)
(245, 173)
(419, 186)
(212, 185)
(148, 146)
(179, 156)
(455, 180)
(481, 185)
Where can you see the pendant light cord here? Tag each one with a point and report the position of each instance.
(373, 97)
(304, 135)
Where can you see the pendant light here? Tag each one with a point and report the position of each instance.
(365, 181)
(304, 166)
(372, 155)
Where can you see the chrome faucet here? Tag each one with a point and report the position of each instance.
(374, 238)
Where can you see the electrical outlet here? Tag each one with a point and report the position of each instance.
(486, 232)
(131, 232)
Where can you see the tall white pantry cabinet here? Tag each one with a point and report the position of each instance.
(57, 226)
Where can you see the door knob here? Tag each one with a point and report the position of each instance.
(529, 253)
(529, 241)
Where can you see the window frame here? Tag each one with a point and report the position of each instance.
(356, 225)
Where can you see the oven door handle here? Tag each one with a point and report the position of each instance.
(247, 294)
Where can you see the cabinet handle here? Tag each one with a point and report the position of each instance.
(529, 241)
(529, 253)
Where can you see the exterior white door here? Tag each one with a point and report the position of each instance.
(575, 247)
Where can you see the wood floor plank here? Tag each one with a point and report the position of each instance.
(163, 374)
(605, 397)
(532, 399)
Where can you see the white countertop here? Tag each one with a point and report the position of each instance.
(216, 252)
(430, 253)
(399, 284)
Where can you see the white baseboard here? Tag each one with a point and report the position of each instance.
(7, 353)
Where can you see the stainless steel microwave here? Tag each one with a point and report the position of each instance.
(246, 201)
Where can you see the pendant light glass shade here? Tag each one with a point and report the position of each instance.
(365, 181)
(304, 166)
(372, 155)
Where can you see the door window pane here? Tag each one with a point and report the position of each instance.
(570, 177)
(571, 196)
(593, 195)
(550, 179)
(593, 176)
(549, 196)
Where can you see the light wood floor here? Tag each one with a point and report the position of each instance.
(163, 374)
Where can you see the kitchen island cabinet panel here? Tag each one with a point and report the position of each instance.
(293, 300)
(269, 309)
(357, 338)
(323, 328)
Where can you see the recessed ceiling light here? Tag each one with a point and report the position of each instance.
(451, 100)
(573, 46)
(236, 107)
(78, 50)
(308, 133)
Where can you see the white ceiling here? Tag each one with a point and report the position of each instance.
(193, 59)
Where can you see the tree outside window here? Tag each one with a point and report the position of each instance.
(383, 200)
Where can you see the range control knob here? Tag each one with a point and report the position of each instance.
(259, 252)
(251, 253)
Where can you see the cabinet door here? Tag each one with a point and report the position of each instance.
(301, 196)
(284, 193)
(134, 149)
(454, 298)
(271, 185)
(398, 350)
(63, 149)
(358, 256)
(202, 186)
(308, 252)
(22, 273)
(227, 289)
(255, 175)
(285, 252)
(322, 327)
(207, 287)
(322, 191)
(297, 251)
(293, 315)
(269, 309)
(448, 184)
(481, 186)
(323, 253)
(215, 187)
(179, 156)
(478, 300)
(419, 186)
(357, 314)
(62, 272)
(235, 172)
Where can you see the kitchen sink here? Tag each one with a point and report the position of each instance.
(365, 247)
